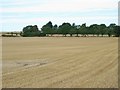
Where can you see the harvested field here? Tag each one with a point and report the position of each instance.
(60, 62)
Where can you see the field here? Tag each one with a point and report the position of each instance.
(60, 62)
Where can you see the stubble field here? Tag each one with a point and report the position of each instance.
(60, 62)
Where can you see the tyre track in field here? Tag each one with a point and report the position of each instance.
(64, 72)
(93, 73)
(22, 76)
(72, 59)
(70, 69)
(27, 69)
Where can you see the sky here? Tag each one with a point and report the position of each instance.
(16, 14)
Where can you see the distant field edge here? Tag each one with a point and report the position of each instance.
(60, 89)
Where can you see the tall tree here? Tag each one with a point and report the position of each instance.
(72, 30)
(102, 28)
(30, 31)
(117, 31)
(55, 28)
(92, 29)
(83, 29)
(65, 28)
(111, 30)
(48, 29)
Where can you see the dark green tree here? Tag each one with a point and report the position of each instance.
(72, 30)
(93, 29)
(48, 29)
(30, 31)
(111, 29)
(117, 31)
(83, 29)
(55, 29)
(65, 28)
(102, 28)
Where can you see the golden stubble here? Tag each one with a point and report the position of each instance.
(60, 62)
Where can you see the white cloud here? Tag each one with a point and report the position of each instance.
(58, 19)
(63, 6)
(18, 2)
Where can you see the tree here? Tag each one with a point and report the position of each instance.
(30, 31)
(83, 29)
(93, 29)
(55, 28)
(111, 29)
(117, 31)
(48, 29)
(97, 30)
(72, 30)
(65, 28)
(102, 28)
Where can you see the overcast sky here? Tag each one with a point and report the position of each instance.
(17, 14)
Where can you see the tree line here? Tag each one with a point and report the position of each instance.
(72, 30)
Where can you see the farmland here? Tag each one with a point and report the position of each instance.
(60, 62)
